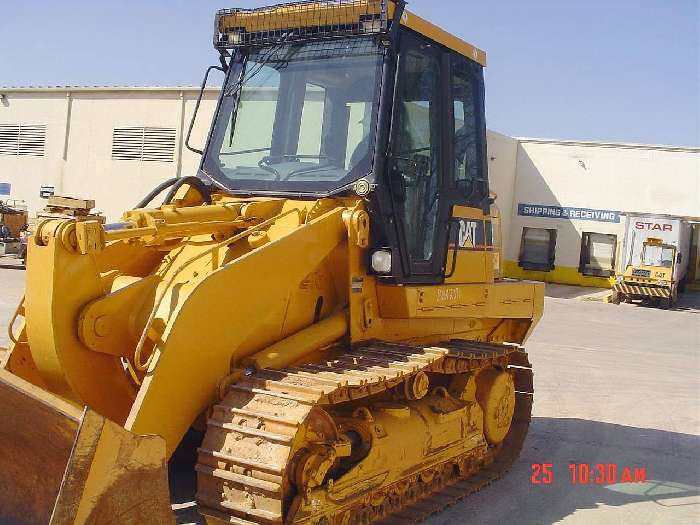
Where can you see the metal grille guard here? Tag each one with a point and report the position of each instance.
(301, 21)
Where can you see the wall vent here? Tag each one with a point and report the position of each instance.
(145, 144)
(22, 139)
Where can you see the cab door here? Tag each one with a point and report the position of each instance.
(473, 254)
(416, 160)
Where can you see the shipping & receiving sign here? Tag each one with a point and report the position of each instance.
(563, 212)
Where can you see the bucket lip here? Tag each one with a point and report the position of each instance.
(51, 401)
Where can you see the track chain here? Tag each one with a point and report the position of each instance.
(254, 433)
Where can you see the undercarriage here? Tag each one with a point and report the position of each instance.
(385, 433)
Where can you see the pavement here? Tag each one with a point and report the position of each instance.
(11, 262)
(11, 292)
(614, 385)
(582, 293)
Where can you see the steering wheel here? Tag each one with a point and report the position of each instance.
(264, 164)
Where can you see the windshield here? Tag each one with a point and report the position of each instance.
(658, 255)
(305, 119)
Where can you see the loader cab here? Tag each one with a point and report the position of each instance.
(433, 192)
(400, 124)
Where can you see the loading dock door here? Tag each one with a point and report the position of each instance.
(598, 254)
(537, 249)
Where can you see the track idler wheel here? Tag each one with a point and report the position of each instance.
(495, 392)
(417, 386)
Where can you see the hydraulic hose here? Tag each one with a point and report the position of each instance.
(175, 184)
(195, 182)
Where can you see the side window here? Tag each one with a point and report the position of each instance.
(415, 163)
(470, 175)
(537, 249)
(598, 254)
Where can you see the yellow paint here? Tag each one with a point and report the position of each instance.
(429, 431)
(496, 396)
(497, 300)
(637, 290)
(59, 283)
(659, 283)
(656, 274)
(117, 301)
(560, 275)
(238, 307)
(285, 16)
(264, 283)
(441, 36)
(472, 264)
(297, 346)
(463, 212)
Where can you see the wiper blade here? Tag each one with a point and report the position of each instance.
(270, 158)
(235, 90)
(272, 170)
(309, 170)
(258, 67)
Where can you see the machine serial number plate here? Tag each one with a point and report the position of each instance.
(641, 273)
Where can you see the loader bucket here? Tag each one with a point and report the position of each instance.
(62, 465)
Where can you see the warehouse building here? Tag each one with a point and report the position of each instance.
(112, 145)
(563, 203)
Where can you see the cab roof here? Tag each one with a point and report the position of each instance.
(318, 19)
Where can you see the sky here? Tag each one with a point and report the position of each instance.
(603, 70)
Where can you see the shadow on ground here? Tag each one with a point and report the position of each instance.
(670, 493)
(672, 489)
(688, 301)
(566, 291)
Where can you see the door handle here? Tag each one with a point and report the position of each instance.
(452, 222)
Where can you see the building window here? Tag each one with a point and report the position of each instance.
(598, 254)
(22, 139)
(537, 249)
(144, 144)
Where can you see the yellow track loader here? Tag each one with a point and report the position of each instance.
(322, 304)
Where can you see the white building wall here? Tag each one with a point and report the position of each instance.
(26, 174)
(620, 178)
(502, 153)
(78, 160)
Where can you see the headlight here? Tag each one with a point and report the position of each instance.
(381, 261)
(234, 38)
(663, 283)
(619, 279)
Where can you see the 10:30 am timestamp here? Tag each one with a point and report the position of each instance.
(584, 474)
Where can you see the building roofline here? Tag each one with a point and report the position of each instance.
(190, 89)
(603, 144)
(100, 89)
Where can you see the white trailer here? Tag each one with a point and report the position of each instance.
(654, 258)
(676, 231)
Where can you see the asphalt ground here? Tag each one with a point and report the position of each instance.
(614, 385)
